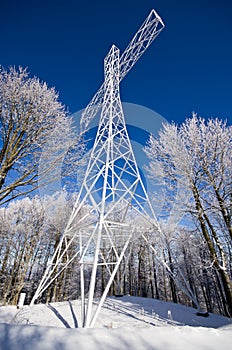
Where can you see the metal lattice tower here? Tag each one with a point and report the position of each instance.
(112, 196)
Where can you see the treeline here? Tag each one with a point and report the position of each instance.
(31, 229)
(193, 165)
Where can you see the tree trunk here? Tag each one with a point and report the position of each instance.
(226, 282)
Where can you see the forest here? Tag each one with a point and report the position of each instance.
(191, 168)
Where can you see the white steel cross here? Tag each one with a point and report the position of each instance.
(112, 206)
(146, 34)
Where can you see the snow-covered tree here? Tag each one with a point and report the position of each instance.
(29, 232)
(21, 236)
(33, 125)
(196, 158)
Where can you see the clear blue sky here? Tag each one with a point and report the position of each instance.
(63, 42)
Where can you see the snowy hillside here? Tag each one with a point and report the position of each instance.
(124, 323)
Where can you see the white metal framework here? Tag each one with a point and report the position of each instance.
(112, 197)
(148, 31)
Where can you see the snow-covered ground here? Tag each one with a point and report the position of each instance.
(124, 323)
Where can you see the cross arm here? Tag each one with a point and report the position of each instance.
(149, 30)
